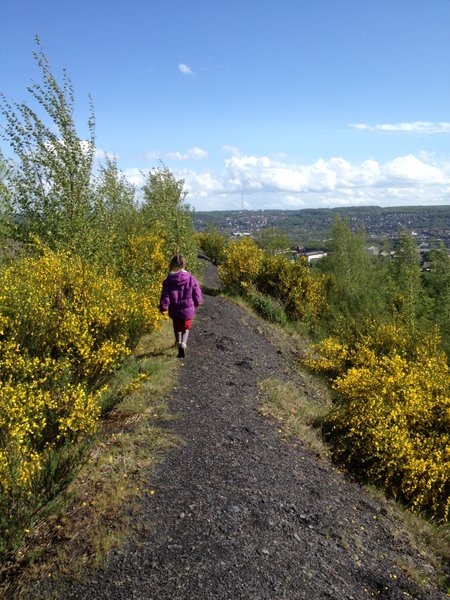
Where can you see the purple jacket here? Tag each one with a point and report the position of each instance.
(180, 294)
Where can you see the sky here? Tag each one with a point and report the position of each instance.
(274, 104)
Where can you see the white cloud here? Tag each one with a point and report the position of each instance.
(427, 127)
(232, 150)
(135, 176)
(411, 169)
(153, 155)
(185, 69)
(266, 183)
(262, 182)
(175, 156)
(291, 201)
(100, 154)
(261, 172)
(194, 153)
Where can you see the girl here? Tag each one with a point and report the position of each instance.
(180, 294)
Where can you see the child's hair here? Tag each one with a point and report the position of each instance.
(177, 263)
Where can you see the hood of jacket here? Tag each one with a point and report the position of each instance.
(179, 278)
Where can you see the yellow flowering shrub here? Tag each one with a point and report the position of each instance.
(241, 264)
(213, 244)
(335, 354)
(300, 291)
(57, 306)
(329, 356)
(41, 411)
(143, 266)
(64, 326)
(304, 291)
(392, 421)
(143, 261)
(34, 420)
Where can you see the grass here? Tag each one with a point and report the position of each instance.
(432, 542)
(98, 505)
(299, 409)
(429, 540)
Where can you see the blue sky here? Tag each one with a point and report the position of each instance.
(279, 104)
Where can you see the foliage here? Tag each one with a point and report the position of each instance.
(5, 206)
(392, 420)
(22, 508)
(57, 306)
(142, 262)
(213, 244)
(303, 290)
(358, 285)
(164, 210)
(241, 264)
(64, 326)
(437, 287)
(4, 192)
(142, 268)
(273, 282)
(409, 300)
(267, 307)
(114, 214)
(273, 241)
(294, 285)
(49, 179)
(76, 298)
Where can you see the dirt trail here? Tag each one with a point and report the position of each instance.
(238, 512)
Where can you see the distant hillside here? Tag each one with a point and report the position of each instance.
(311, 226)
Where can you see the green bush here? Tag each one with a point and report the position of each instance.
(267, 307)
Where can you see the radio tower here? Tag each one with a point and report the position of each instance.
(242, 201)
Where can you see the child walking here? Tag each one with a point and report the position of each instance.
(181, 295)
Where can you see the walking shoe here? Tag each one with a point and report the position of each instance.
(181, 353)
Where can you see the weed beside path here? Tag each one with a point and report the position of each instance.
(239, 512)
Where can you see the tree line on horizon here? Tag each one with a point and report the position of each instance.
(310, 227)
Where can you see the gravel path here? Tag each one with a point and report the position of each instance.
(238, 512)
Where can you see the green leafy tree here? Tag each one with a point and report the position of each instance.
(165, 211)
(409, 298)
(5, 208)
(50, 175)
(4, 191)
(438, 288)
(357, 282)
(273, 241)
(115, 213)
